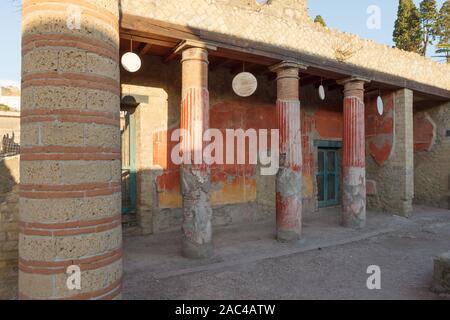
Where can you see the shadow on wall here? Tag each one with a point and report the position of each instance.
(9, 210)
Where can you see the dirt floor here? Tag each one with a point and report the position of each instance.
(330, 263)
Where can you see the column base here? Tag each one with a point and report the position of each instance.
(288, 236)
(354, 223)
(405, 208)
(354, 197)
(195, 251)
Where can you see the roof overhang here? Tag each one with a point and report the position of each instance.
(152, 31)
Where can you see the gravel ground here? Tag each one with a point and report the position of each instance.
(405, 257)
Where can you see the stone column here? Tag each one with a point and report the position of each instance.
(289, 176)
(401, 200)
(70, 194)
(195, 183)
(354, 156)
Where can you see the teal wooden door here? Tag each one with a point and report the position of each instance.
(328, 177)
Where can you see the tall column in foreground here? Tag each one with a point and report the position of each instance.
(195, 183)
(354, 155)
(289, 177)
(70, 195)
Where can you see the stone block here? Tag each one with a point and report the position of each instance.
(441, 274)
(79, 172)
(42, 172)
(72, 61)
(63, 134)
(102, 66)
(56, 210)
(40, 61)
(61, 97)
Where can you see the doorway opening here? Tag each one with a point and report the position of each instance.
(328, 173)
(129, 183)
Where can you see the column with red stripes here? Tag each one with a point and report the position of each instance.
(70, 240)
(289, 176)
(353, 159)
(195, 183)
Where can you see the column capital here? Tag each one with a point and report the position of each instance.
(287, 64)
(351, 79)
(354, 86)
(189, 44)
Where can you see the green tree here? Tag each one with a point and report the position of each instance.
(320, 20)
(428, 22)
(4, 107)
(407, 32)
(443, 31)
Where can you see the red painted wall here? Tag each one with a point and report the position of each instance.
(379, 128)
(233, 183)
(424, 132)
(237, 183)
(325, 123)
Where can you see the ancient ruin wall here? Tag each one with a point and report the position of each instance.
(432, 157)
(285, 23)
(389, 145)
(9, 211)
(240, 193)
(9, 126)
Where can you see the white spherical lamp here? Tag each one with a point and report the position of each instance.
(380, 105)
(131, 62)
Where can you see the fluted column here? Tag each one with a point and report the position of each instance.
(354, 156)
(289, 176)
(195, 183)
(70, 194)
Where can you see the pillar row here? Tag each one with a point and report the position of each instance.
(70, 188)
(354, 156)
(289, 176)
(195, 180)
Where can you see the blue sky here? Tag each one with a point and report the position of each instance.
(345, 15)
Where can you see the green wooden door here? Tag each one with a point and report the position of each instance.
(328, 177)
(129, 164)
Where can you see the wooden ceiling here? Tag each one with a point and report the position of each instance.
(164, 47)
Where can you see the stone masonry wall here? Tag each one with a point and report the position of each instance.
(432, 163)
(390, 147)
(9, 211)
(285, 23)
